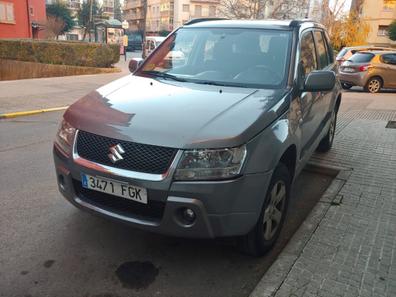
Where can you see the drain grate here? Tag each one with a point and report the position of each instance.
(391, 125)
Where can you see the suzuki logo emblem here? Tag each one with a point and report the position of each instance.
(116, 152)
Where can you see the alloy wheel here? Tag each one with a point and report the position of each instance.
(274, 211)
(374, 86)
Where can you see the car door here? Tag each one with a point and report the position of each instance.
(310, 109)
(325, 62)
(389, 71)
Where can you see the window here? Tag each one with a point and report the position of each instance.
(186, 8)
(389, 5)
(7, 12)
(389, 59)
(307, 54)
(212, 11)
(31, 11)
(323, 58)
(382, 30)
(361, 57)
(198, 10)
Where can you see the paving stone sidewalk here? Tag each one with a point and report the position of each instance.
(353, 250)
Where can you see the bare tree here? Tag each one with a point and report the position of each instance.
(254, 9)
(54, 26)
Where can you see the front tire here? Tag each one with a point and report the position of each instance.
(373, 85)
(266, 231)
(327, 142)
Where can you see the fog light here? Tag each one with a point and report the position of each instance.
(188, 215)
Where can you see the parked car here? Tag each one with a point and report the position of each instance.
(371, 70)
(134, 41)
(347, 52)
(209, 147)
(151, 43)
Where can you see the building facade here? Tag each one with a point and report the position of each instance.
(22, 18)
(287, 9)
(378, 14)
(166, 15)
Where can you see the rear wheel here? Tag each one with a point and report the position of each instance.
(346, 86)
(266, 231)
(373, 85)
(327, 142)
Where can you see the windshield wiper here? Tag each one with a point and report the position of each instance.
(163, 75)
(208, 82)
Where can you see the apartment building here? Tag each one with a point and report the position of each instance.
(166, 15)
(378, 14)
(107, 7)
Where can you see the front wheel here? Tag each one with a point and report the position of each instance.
(266, 231)
(327, 142)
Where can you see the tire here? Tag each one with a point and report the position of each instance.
(346, 86)
(327, 141)
(373, 85)
(264, 234)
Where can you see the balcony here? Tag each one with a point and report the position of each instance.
(130, 4)
(133, 16)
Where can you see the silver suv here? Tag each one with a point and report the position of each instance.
(206, 136)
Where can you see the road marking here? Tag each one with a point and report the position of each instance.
(29, 112)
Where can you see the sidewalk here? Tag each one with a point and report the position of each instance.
(41, 93)
(352, 251)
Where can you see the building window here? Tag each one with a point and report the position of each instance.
(7, 12)
(198, 10)
(212, 11)
(186, 8)
(389, 5)
(382, 30)
(31, 11)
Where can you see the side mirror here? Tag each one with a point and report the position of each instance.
(134, 64)
(320, 80)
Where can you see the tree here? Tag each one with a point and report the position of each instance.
(54, 26)
(117, 10)
(349, 31)
(59, 13)
(253, 9)
(85, 16)
(392, 31)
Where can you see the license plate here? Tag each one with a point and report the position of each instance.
(115, 188)
(348, 69)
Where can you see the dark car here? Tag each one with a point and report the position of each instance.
(135, 42)
(208, 146)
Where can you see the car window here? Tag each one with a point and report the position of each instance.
(342, 53)
(224, 56)
(361, 57)
(307, 53)
(389, 59)
(323, 57)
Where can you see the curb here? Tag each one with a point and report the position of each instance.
(29, 112)
(274, 277)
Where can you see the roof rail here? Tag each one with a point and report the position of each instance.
(296, 23)
(194, 21)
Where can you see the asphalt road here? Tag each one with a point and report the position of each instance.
(49, 248)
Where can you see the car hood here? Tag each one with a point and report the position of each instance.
(174, 114)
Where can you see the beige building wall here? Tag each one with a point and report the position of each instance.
(378, 14)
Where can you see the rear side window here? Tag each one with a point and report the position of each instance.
(361, 57)
(323, 57)
(342, 53)
(389, 59)
(308, 54)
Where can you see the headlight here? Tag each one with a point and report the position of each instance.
(209, 164)
(64, 137)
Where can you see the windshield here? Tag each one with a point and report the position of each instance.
(361, 58)
(222, 56)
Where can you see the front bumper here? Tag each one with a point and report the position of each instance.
(222, 208)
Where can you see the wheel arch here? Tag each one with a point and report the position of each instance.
(289, 159)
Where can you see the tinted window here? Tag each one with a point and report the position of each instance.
(361, 58)
(323, 57)
(389, 59)
(308, 55)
